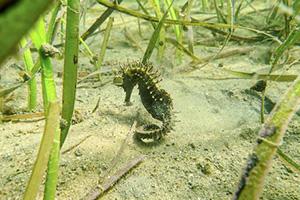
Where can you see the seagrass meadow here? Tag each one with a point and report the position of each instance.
(150, 99)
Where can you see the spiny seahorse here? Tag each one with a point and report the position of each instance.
(156, 100)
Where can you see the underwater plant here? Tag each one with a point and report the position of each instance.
(9, 12)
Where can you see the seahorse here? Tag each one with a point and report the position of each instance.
(155, 100)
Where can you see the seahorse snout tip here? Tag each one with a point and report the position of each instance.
(118, 81)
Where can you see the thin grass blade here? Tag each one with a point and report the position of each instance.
(52, 124)
(52, 23)
(105, 42)
(183, 49)
(32, 87)
(292, 38)
(99, 21)
(288, 160)
(70, 65)
(258, 76)
(155, 37)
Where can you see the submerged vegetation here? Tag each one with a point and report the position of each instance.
(182, 38)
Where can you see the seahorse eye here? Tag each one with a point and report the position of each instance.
(118, 80)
